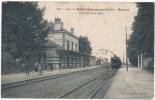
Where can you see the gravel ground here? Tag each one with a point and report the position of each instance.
(87, 90)
(102, 91)
(51, 88)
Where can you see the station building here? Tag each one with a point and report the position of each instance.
(62, 48)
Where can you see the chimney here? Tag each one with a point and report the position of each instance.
(59, 20)
(62, 25)
(72, 30)
(55, 19)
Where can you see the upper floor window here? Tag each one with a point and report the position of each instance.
(72, 45)
(76, 47)
(68, 45)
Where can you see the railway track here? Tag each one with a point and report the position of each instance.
(104, 77)
(25, 82)
(103, 83)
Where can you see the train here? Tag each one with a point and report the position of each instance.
(116, 62)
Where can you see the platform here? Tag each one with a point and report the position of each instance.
(134, 84)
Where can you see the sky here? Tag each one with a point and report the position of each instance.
(104, 25)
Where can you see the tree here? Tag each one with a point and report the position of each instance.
(84, 45)
(23, 28)
(142, 38)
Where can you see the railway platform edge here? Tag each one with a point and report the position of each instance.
(11, 78)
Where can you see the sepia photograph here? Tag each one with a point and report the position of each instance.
(77, 50)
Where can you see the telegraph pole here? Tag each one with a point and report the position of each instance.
(123, 58)
(126, 52)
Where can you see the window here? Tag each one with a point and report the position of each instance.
(76, 47)
(72, 45)
(68, 45)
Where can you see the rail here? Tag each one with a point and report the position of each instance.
(25, 82)
(85, 83)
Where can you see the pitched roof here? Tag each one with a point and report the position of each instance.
(71, 34)
(51, 44)
(51, 26)
(65, 31)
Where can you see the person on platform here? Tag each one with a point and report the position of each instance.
(36, 67)
(51, 65)
(39, 68)
(27, 68)
(45, 65)
(59, 66)
(48, 67)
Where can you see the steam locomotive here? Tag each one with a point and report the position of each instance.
(115, 62)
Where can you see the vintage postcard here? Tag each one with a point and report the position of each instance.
(77, 50)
